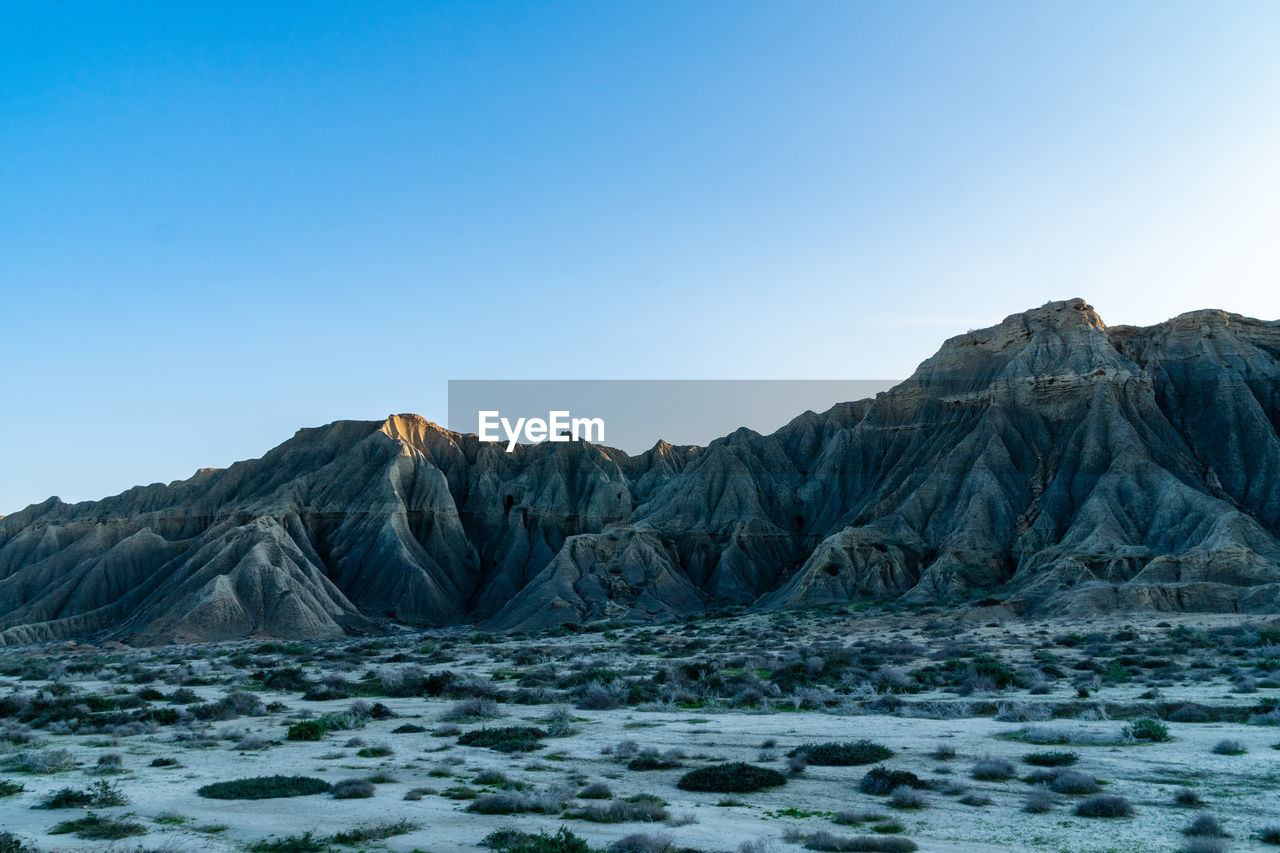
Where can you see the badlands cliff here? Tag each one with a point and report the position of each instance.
(1049, 462)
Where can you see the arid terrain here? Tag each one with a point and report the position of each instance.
(917, 728)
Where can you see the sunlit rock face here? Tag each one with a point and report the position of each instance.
(1050, 462)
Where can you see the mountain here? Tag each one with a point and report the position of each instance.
(1050, 462)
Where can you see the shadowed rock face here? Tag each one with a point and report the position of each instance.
(1058, 464)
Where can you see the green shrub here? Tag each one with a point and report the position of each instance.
(1073, 782)
(407, 729)
(1148, 729)
(881, 781)
(8, 789)
(375, 752)
(98, 828)
(1187, 798)
(353, 789)
(1115, 673)
(504, 738)
(734, 777)
(42, 761)
(1104, 805)
(1205, 826)
(459, 792)
(101, 794)
(307, 730)
(829, 843)
(843, 754)
(304, 843)
(1039, 801)
(651, 760)
(906, 799)
(515, 841)
(510, 802)
(10, 843)
(992, 770)
(316, 729)
(67, 798)
(1051, 758)
(365, 832)
(1229, 746)
(644, 808)
(289, 679)
(265, 788)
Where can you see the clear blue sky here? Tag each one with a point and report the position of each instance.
(220, 222)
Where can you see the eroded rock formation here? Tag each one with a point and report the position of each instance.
(1050, 461)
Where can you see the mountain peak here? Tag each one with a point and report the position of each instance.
(1064, 314)
(981, 355)
(1068, 315)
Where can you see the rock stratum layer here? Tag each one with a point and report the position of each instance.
(1053, 463)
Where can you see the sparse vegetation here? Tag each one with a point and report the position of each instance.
(993, 770)
(352, 789)
(1073, 782)
(77, 720)
(906, 798)
(515, 841)
(10, 843)
(1148, 730)
(843, 754)
(100, 794)
(99, 828)
(1055, 758)
(476, 708)
(1205, 826)
(881, 781)
(42, 761)
(504, 738)
(639, 808)
(1104, 805)
(1187, 798)
(1038, 801)
(1229, 746)
(307, 730)
(731, 778)
(265, 788)
(829, 843)
(363, 833)
(306, 842)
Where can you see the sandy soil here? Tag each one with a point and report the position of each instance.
(1243, 791)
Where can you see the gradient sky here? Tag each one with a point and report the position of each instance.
(221, 222)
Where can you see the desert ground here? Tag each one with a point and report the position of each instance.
(833, 730)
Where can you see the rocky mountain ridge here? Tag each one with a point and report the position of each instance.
(1050, 462)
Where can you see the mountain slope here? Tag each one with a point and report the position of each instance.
(1050, 461)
